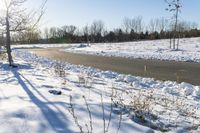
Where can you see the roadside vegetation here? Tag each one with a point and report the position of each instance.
(150, 108)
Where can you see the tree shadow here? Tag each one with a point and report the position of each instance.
(24, 66)
(54, 116)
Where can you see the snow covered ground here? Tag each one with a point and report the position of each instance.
(189, 50)
(90, 99)
(42, 45)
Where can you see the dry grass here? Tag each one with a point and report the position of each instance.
(3, 56)
(159, 111)
(150, 108)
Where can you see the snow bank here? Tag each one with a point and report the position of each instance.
(183, 89)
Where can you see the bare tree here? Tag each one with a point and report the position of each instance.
(71, 29)
(15, 19)
(153, 25)
(174, 6)
(136, 24)
(60, 33)
(193, 25)
(64, 28)
(163, 24)
(28, 36)
(86, 33)
(126, 25)
(139, 24)
(96, 29)
(133, 25)
(53, 32)
(69, 32)
(157, 24)
(46, 33)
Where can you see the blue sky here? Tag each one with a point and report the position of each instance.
(112, 12)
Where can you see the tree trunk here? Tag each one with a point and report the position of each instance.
(88, 41)
(175, 28)
(10, 60)
(2, 41)
(173, 39)
(178, 41)
(170, 42)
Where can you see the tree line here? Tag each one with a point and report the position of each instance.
(131, 30)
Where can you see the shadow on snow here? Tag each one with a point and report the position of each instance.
(54, 116)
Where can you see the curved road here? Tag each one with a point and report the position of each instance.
(161, 70)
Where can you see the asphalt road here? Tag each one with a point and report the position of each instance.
(161, 70)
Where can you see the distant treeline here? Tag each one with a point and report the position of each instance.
(130, 30)
(118, 36)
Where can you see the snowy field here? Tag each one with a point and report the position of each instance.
(91, 100)
(189, 50)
